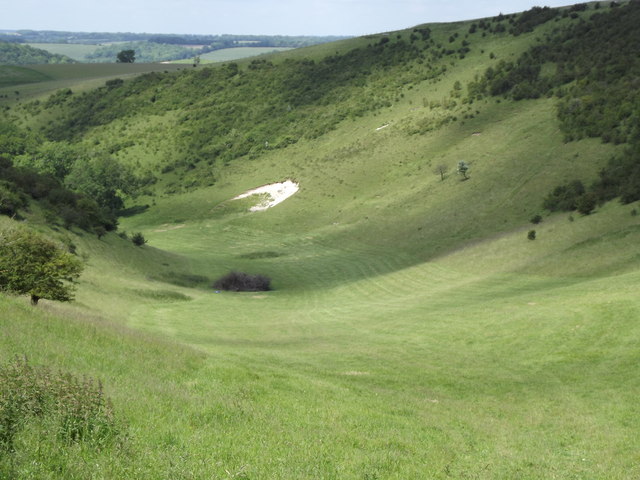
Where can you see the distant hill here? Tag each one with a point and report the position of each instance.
(17, 54)
(100, 47)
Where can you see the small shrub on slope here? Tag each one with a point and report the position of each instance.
(138, 239)
(243, 282)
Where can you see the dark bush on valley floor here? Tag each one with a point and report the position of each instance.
(243, 282)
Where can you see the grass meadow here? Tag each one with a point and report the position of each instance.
(485, 362)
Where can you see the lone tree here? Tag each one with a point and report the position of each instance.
(463, 168)
(127, 56)
(34, 265)
(441, 170)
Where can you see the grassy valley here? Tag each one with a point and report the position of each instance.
(413, 330)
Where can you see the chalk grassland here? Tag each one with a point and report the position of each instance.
(414, 330)
(483, 363)
(377, 355)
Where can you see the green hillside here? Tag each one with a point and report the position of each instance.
(16, 54)
(416, 327)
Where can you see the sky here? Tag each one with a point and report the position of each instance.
(243, 17)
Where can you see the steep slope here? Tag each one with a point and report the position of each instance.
(193, 125)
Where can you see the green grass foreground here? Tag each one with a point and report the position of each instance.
(448, 369)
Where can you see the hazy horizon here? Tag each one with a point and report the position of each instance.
(249, 17)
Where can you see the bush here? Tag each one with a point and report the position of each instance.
(243, 282)
(531, 235)
(10, 199)
(564, 197)
(536, 219)
(587, 203)
(138, 239)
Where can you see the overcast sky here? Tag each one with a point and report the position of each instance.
(270, 17)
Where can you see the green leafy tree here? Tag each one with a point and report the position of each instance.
(126, 56)
(587, 203)
(10, 199)
(54, 158)
(463, 168)
(103, 179)
(31, 264)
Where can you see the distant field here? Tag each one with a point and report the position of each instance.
(72, 50)
(38, 80)
(12, 75)
(228, 54)
(79, 52)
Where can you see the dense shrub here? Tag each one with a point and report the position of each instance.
(531, 235)
(587, 203)
(138, 239)
(243, 282)
(19, 183)
(564, 197)
(530, 19)
(11, 200)
(620, 178)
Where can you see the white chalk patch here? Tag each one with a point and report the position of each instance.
(274, 194)
(383, 126)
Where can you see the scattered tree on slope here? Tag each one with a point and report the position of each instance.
(126, 56)
(33, 265)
